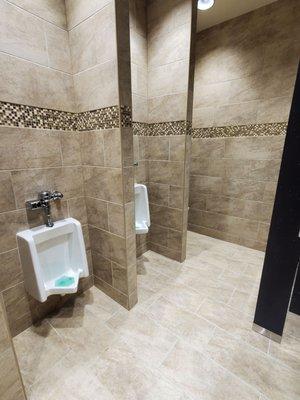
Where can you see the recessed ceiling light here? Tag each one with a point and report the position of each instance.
(205, 4)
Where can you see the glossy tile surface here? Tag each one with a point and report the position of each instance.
(188, 338)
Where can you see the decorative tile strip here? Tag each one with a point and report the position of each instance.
(24, 116)
(162, 128)
(270, 129)
(103, 118)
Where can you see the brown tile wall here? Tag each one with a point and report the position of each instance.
(245, 73)
(11, 386)
(246, 67)
(33, 160)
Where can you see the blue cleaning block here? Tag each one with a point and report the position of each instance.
(64, 281)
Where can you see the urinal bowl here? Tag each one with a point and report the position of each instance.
(53, 259)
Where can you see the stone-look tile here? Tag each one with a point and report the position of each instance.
(19, 308)
(29, 148)
(159, 193)
(86, 48)
(166, 172)
(92, 148)
(130, 219)
(128, 183)
(254, 148)
(97, 87)
(53, 11)
(165, 216)
(97, 212)
(70, 148)
(79, 11)
(10, 269)
(169, 107)
(35, 85)
(98, 183)
(275, 109)
(196, 331)
(7, 200)
(119, 275)
(110, 291)
(38, 348)
(116, 219)
(127, 146)
(58, 48)
(5, 341)
(277, 382)
(177, 148)
(10, 384)
(27, 183)
(112, 148)
(208, 148)
(102, 267)
(22, 34)
(11, 223)
(176, 199)
(200, 376)
(77, 209)
(288, 352)
(161, 80)
(158, 148)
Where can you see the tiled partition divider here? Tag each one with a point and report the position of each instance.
(162, 123)
(65, 124)
(11, 386)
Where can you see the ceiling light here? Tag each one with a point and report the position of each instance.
(205, 4)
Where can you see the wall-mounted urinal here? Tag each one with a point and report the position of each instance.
(142, 213)
(53, 259)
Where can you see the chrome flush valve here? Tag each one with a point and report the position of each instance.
(43, 202)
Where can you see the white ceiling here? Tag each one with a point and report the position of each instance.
(224, 10)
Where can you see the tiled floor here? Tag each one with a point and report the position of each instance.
(189, 338)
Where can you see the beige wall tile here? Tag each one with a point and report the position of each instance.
(51, 10)
(10, 269)
(7, 200)
(77, 209)
(79, 11)
(102, 267)
(96, 87)
(112, 148)
(11, 223)
(159, 193)
(158, 148)
(58, 48)
(31, 84)
(112, 292)
(92, 148)
(29, 148)
(166, 172)
(167, 108)
(116, 219)
(22, 34)
(93, 41)
(274, 110)
(97, 212)
(254, 148)
(161, 80)
(165, 216)
(177, 148)
(27, 183)
(98, 183)
(70, 148)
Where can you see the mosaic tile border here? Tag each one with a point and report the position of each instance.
(269, 129)
(172, 128)
(23, 116)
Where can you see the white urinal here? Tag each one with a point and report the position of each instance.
(53, 259)
(142, 213)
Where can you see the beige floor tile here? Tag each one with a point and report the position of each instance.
(189, 327)
(148, 340)
(235, 322)
(292, 325)
(127, 379)
(203, 378)
(287, 352)
(272, 379)
(183, 296)
(38, 349)
(244, 301)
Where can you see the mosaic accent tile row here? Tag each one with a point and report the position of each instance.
(162, 128)
(269, 129)
(23, 116)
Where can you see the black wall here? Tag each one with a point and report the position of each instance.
(282, 253)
